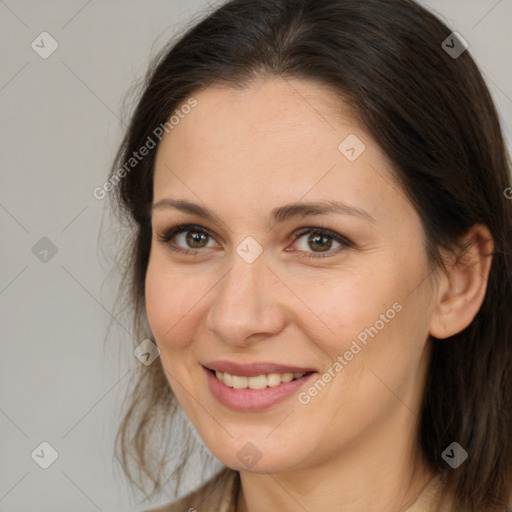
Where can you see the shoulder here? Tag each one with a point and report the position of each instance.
(216, 495)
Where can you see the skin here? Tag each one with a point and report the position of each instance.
(241, 153)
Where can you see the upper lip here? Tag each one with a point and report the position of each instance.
(253, 369)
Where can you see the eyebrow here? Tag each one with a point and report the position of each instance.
(278, 215)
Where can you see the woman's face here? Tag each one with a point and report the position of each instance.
(258, 296)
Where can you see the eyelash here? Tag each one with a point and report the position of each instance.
(168, 233)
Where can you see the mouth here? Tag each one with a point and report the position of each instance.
(256, 382)
(255, 392)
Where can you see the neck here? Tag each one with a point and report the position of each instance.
(379, 472)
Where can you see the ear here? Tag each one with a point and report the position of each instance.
(462, 286)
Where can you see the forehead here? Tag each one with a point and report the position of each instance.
(275, 141)
(296, 111)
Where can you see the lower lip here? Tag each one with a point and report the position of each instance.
(253, 399)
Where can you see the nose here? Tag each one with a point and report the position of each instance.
(248, 304)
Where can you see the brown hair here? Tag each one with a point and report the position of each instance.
(433, 116)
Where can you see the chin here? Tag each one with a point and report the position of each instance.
(257, 456)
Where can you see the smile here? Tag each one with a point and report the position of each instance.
(258, 381)
(256, 392)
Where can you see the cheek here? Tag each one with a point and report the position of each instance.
(344, 306)
(370, 315)
(167, 302)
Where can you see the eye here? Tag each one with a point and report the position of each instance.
(190, 235)
(190, 238)
(320, 240)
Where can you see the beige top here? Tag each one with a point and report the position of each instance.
(219, 494)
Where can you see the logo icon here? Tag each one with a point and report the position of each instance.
(351, 147)
(249, 249)
(146, 352)
(249, 454)
(44, 45)
(44, 250)
(44, 455)
(454, 45)
(454, 455)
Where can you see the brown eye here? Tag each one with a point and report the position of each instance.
(190, 239)
(187, 238)
(320, 241)
(195, 239)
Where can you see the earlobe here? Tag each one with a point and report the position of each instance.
(462, 289)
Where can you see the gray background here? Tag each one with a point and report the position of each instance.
(60, 128)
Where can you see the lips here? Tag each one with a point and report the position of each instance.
(254, 369)
(253, 400)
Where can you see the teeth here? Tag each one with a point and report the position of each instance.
(239, 382)
(228, 380)
(273, 379)
(256, 382)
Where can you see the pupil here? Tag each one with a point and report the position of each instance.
(318, 243)
(195, 237)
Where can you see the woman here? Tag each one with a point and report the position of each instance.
(322, 255)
